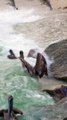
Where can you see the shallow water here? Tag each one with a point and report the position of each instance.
(13, 80)
(25, 89)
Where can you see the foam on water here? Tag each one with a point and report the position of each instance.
(13, 79)
(8, 38)
(49, 62)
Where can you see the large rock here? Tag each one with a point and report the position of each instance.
(58, 51)
(58, 93)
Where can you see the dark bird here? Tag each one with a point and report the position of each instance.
(12, 3)
(10, 113)
(21, 54)
(47, 2)
(40, 67)
(11, 55)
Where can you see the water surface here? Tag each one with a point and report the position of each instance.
(25, 89)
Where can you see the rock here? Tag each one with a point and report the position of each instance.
(58, 52)
(65, 118)
(58, 93)
(32, 53)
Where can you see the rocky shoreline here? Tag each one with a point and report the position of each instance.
(58, 51)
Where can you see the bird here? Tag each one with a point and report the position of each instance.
(11, 112)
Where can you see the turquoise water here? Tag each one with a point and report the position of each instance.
(24, 88)
(14, 81)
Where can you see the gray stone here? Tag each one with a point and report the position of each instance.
(58, 51)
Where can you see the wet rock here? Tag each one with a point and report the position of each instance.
(32, 53)
(65, 118)
(58, 52)
(58, 93)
